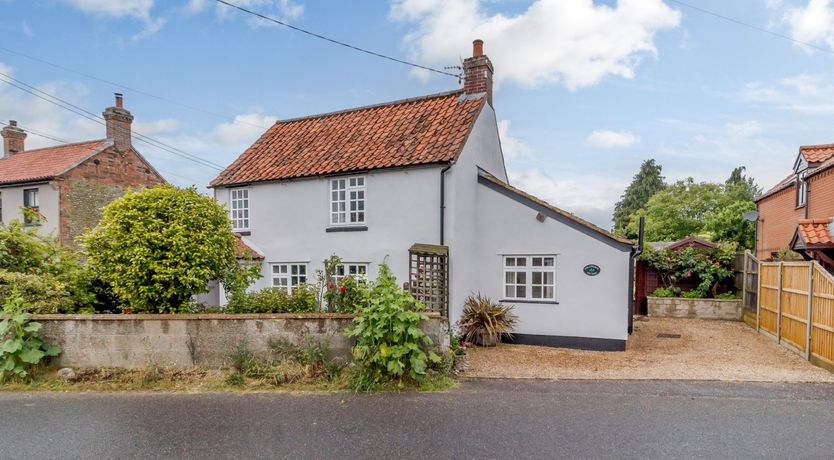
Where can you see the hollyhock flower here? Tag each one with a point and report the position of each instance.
(342, 289)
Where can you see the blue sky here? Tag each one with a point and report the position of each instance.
(585, 90)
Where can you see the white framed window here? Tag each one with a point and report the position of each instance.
(530, 277)
(239, 208)
(347, 201)
(802, 192)
(288, 275)
(356, 270)
(31, 202)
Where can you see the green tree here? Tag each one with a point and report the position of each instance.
(646, 183)
(158, 247)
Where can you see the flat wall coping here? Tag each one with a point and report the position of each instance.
(687, 299)
(201, 316)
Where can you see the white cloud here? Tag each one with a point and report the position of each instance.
(243, 130)
(589, 196)
(283, 10)
(152, 128)
(511, 146)
(573, 42)
(138, 9)
(804, 93)
(612, 139)
(813, 23)
(744, 129)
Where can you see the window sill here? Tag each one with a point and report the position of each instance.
(550, 302)
(347, 228)
(242, 232)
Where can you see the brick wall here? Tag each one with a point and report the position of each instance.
(821, 194)
(778, 217)
(85, 190)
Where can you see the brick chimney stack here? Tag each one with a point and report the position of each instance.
(477, 72)
(118, 121)
(13, 138)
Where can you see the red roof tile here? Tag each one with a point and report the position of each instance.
(46, 163)
(244, 251)
(431, 129)
(817, 153)
(816, 231)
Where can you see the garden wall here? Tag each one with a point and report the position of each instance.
(132, 341)
(677, 307)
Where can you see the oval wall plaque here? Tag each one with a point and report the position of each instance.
(591, 270)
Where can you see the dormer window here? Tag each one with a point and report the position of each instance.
(801, 191)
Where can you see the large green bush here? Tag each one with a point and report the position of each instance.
(271, 300)
(41, 293)
(158, 247)
(390, 345)
(710, 267)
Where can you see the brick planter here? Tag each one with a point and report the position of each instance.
(132, 341)
(678, 307)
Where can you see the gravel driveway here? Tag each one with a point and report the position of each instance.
(706, 350)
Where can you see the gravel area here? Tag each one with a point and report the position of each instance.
(706, 350)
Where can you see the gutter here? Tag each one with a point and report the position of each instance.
(635, 253)
(443, 202)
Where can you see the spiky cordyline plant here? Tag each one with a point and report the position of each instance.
(484, 318)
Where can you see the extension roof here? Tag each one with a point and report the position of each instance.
(49, 162)
(426, 130)
(817, 153)
(244, 249)
(815, 232)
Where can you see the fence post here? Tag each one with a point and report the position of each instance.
(779, 306)
(760, 268)
(810, 306)
(744, 280)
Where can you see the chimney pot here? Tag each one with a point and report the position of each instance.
(12, 122)
(119, 100)
(477, 48)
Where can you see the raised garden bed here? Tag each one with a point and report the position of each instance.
(679, 307)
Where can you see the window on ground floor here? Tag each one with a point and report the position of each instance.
(288, 275)
(356, 270)
(530, 277)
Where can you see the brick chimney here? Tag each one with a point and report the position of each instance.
(118, 121)
(13, 138)
(477, 72)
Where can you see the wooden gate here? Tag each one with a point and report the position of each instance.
(429, 276)
(749, 273)
(796, 308)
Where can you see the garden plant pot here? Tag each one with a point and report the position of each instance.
(486, 339)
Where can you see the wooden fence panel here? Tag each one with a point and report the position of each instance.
(769, 280)
(750, 287)
(822, 319)
(794, 304)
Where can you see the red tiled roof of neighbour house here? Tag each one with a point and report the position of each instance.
(426, 130)
(816, 231)
(828, 164)
(244, 251)
(817, 153)
(46, 163)
(783, 184)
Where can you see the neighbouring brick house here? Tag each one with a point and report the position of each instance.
(797, 212)
(69, 184)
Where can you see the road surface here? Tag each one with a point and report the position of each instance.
(480, 419)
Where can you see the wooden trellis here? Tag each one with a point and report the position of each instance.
(429, 276)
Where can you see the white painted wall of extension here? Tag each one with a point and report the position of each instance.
(49, 199)
(289, 219)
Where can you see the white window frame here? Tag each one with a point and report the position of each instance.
(526, 281)
(348, 198)
(288, 275)
(239, 205)
(802, 192)
(358, 270)
(31, 201)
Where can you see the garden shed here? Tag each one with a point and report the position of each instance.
(647, 279)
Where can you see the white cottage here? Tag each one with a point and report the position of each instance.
(421, 183)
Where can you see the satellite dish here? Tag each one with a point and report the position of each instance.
(751, 216)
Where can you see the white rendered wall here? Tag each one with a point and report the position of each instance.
(288, 221)
(49, 200)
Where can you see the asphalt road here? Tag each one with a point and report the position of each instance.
(481, 419)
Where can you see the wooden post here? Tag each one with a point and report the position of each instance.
(810, 306)
(744, 280)
(779, 306)
(759, 297)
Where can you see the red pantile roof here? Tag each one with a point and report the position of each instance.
(244, 251)
(46, 163)
(815, 231)
(430, 129)
(817, 153)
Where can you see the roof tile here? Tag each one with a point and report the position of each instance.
(816, 231)
(817, 153)
(431, 129)
(46, 163)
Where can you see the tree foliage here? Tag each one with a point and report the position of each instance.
(710, 210)
(158, 247)
(709, 267)
(646, 183)
(22, 346)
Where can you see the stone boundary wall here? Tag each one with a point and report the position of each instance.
(678, 307)
(199, 340)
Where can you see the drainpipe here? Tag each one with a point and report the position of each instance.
(443, 202)
(635, 253)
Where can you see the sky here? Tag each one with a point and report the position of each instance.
(585, 90)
